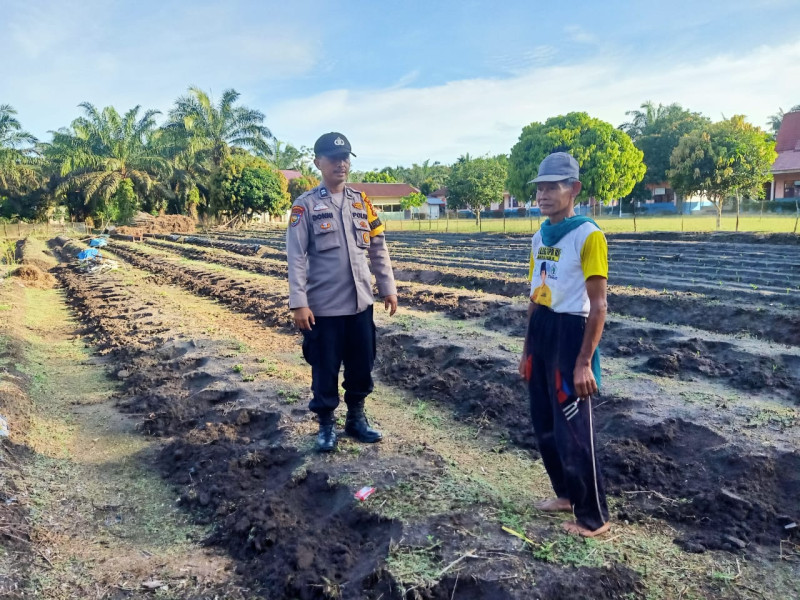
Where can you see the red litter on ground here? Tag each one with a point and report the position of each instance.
(364, 493)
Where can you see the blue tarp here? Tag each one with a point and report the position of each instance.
(89, 253)
(98, 242)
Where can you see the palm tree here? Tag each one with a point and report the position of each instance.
(103, 148)
(212, 130)
(191, 171)
(646, 118)
(17, 164)
(285, 156)
(774, 121)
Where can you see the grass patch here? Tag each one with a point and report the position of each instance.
(415, 567)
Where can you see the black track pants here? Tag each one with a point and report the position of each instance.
(563, 422)
(348, 339)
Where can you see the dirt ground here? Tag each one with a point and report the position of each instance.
(697, 430)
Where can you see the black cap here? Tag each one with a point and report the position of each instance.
(332, 144)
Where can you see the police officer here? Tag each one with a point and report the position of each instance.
(560, 359)
(332, 229)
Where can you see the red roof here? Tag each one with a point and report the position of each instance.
(441, 192)
(789, 134)
(291, 174)
(787, 161)
(383, 190)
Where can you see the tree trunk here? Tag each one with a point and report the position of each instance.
(738, 204)
(719, 214)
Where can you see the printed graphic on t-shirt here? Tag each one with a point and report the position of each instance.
(548, 253)
(542, 294)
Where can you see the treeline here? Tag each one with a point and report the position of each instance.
(207, 158)
(221, 160)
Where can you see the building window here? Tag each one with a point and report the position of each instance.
(791, 189)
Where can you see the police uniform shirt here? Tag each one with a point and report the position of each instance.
(327, 247)
(580, 254)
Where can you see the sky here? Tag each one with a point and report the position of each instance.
(405, 81)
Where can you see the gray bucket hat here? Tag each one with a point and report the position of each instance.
(557, 166)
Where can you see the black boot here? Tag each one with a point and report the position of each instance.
(357, 426)
(326, 438)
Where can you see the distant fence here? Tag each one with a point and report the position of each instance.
(21, 230)
(613, 224)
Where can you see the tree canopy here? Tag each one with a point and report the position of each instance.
(610, 164)
(475, 183)
(413, 200)
(656, 130)
(102, 149)
(246, 185)
(214, 129)
(775, 121)
(723, 159)
(377, 177)
(300, 185)
(17, 161)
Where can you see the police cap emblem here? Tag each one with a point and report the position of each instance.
(332, 144)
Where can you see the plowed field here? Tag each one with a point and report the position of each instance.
(697, 423)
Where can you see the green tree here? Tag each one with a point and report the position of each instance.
(610, 163)
(189, 179)
(413, 200)
(774, 121)
(300, 185)
(475, 183)
(721, 160)
(102, 149)
(127, 204)
(245, 185)
(286, 156)
(430, 176)
(18, 163)
(656, 130)
(212, 130)
(376, 177)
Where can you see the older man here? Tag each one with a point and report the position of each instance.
(331, 231)
(560, 360)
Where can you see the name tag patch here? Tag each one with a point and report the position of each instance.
(319, 217)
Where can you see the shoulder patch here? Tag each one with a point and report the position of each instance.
(297, 215)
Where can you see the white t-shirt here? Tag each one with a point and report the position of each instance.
(558, 273)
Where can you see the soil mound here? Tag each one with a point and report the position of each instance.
(163, 224)
(33, 276)
(686, 473)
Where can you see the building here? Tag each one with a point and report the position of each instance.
(385, 197)
(509, 202)
(786, 168)
(434, 206)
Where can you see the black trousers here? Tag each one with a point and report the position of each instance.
(348, 339)
(561, 420)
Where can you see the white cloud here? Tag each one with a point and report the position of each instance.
(579, 35)
(67, 53)
(478, 116)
